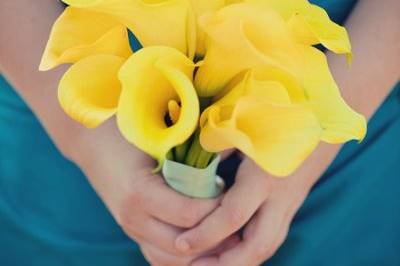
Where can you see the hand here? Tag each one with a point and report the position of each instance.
(143, 205)
(264, 203)
(266, 230)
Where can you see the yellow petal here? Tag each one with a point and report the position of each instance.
(154, 22)
(340, 123)
(278, 137)
(278, 86)
(79, 33)
(277, 120)
(90, 89)
(235, 43)
(311, 24)
(200, 8)
(151, 79)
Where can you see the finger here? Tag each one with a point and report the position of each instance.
(159, 257)
(225, 154)
(237, 207)
(154, 196)
(154, 231)
(228, 243)
(262, 237)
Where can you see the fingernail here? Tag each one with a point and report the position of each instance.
(182, 245)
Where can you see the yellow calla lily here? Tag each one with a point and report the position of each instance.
(271, 118)
(236, 45)
(239, 37)
(260, 32)
(311, 24)
(79, 33)
(152, 80)
(89, 91)
(339, 121)
(259, 118)
(200, 8)
(154, 22)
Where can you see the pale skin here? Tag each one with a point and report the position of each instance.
(189, 231)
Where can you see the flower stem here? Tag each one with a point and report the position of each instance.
(197, 156)
(181, 151)
(204, 159)
(194, 150)
(170, 155)
(190, 152)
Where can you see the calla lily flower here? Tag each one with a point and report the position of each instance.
(236, 44)
(263, 32)
(269, 117)
(239, 37)
(200, 8)
(89, 91)
(153, 22)
(311, 24)
(98, 45)
(79, 33)
(154, 80)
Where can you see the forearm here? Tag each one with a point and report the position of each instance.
(25, 26)
(375, 34)
(374, 29)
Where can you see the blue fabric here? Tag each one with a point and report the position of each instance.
(49, 214)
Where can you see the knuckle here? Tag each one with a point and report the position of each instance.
(268, 253)
(125, 223)
(236, 216)
(129, 229)
(153, 260)
(136, 197)
(262, 251)
(266, 186)
(170, 263)
(122, 219)
(128, 224)
(190, 214)
(138, 188)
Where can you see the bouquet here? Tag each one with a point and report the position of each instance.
(209, 75)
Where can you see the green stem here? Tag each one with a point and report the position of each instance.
(204, 159)
(190, 152)
(197, 156)
(181, 151)
(170, 155)
(194, 150)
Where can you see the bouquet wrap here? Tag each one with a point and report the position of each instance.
(194, 182)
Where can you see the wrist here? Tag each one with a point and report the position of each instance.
(104, 147)
(315, 165)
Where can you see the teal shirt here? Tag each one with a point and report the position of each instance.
(50, 215)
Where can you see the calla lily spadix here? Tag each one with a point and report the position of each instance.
(153, 80)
